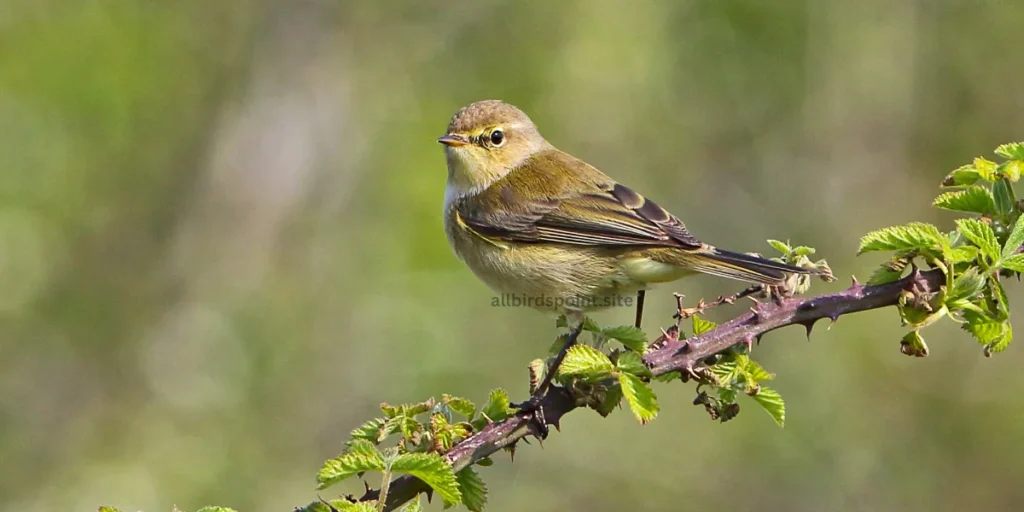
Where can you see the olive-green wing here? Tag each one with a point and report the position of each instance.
(588, 210)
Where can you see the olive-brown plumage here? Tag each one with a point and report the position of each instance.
(534, 221)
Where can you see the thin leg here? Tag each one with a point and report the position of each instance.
(533, 403)
(639, 307)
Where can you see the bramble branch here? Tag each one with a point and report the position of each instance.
(669, 354)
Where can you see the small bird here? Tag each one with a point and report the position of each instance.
(533, 221)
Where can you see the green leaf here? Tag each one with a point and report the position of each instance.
(640, 397)
(975, 199)
(964, 254)
(771, 401)
(590, 325)
(631, 362)
(752, 369)
(981, 235)
(346, 465)
(669, 377)
(629, 336)
(473, 489)
(369, 430)
(1011, 151)
(585, 361)
(964, 176)
(803, 250)
(916, 235)
(1014, 263)
(1012, 170)
(434, 471)
(460, 405)
(612, 397)
(1003, 195)
(884, 274)
(701, 325)
(986, 169)
(782, 247)
(498, 406)
(340, 505)
(108, 509)
(362, 447)
(392, 411)
(1000, 344)
(967, 285)
(1016, 238)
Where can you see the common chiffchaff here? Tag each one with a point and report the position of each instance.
(536, 222)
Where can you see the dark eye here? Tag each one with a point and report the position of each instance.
(497, 137)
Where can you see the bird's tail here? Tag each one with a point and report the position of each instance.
(744, 267)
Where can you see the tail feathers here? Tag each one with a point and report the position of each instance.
(745, 267)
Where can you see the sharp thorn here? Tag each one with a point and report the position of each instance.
(854, 281)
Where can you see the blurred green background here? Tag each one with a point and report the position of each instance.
(221, 242)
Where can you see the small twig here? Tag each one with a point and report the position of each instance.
(684, 313)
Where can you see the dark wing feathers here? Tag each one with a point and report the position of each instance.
(603, 213)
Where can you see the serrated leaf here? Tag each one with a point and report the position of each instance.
(611, 400)
(1003, 196)
(1000, 344)
(975, 199)
(701, 325)
(590, 325)
(1011, 151)
(771, 401)
(964, 176)
(369, 430)
(966, 285)
(964, 254)
(1012, 170)
(884, 274)
(1016, 238)
(916, 235)
(629, 336)
(497, 407)
(981, 235)
(640, 397)
(752, 369)
(994, 335)
(392, 411)
(363, 447)
(347, 465)
(631, 362)
(782, 247)
(585, 361)
(1014, 263)
(473, 489)
(434, 471)
(460, 405)
(986, 169)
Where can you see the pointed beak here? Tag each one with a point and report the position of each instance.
(453, 140)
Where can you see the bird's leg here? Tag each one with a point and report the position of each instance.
(639, 307)
(533, 404)
(684, 313)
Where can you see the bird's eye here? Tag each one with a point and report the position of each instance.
(497, 137)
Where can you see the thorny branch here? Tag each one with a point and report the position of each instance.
(669, 353)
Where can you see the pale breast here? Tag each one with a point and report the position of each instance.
(549, 276)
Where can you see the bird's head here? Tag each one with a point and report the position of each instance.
(485, 141)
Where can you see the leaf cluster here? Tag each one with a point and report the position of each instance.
(976, 256)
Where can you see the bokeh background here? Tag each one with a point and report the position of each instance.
(221, 242)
